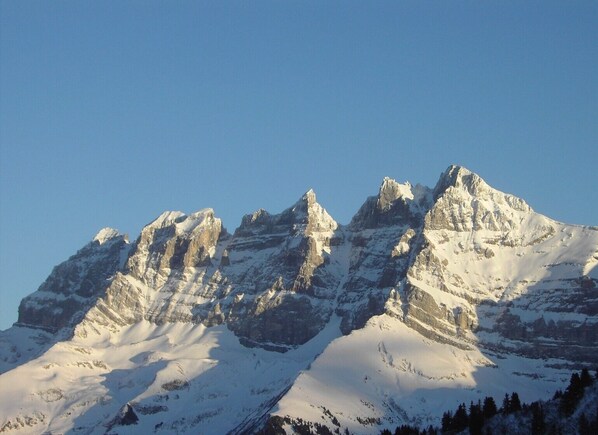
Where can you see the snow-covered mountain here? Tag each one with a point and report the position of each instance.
(426, 299)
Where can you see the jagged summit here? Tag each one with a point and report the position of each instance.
(166, 218)
(395, 204)
(309, 197)
(459, 177)
(390, 191)
(462, 179)
(305, 215)
(306, 203)
(427, 299)
(313, 214)
(257, 217)
(105, 235)
(182, 221)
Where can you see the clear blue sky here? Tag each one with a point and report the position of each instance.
(112, 112)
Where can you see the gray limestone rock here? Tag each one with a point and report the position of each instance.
(279, 278)
(75, 285)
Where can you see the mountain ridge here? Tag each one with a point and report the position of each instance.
(461, 271)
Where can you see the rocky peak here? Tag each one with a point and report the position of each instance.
(187, 225)
(316, 217)
(258, 217)
(390, 191)
(396, 204)
(305, 204)
(276, 264)
(305, 216)
(309, 197)
(461, 178)
(167, 218)
(464, 201)
(173, 241)
(107, 234)
(74, 285)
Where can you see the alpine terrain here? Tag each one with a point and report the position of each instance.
(428, 298)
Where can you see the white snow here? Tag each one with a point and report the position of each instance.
(389, 372)
(202, 375)
(184, 378)
(105, 234)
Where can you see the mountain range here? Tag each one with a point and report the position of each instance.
(429, 297)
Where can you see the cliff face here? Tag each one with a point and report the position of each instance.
(461, 263)
(490, 269)
(75, 285)
(425, 289)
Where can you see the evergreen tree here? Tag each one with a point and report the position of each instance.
(572, 395)
(586, 378)
(489, 410)
(447, 421)
(515, 404)
(584, 425)
(476, 418)
(554, 430)
(406, 430)
(461, 419)
(506, 404)
(538, 420)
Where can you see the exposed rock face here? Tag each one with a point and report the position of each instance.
(489, 269)
(382, 234)
(461, 263)
(188, 269)
(173, 242)
(75, 285)
(432, 289)
(163, 279)
(125, 417)
(281, 285)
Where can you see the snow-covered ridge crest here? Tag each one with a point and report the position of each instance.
(460, 179)
(305, 215)
(173, 240)
(165, 219)
(395, 204)
(418, 197)
(390, 191)
(106, 234)
(428, 295)
(202, 218)
(317, 217)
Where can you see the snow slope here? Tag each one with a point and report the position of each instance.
(428, 298)
(178, 377)
(386, 374)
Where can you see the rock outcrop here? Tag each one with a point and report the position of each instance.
(461, 263)
(75, 285)
(426, 289)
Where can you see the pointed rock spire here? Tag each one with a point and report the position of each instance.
(106, 234)
(460, 177)
(309, 196)
(390, 191)
(309, 211)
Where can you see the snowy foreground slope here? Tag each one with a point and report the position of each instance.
(426, 299)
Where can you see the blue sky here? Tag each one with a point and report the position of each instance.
(112, 112)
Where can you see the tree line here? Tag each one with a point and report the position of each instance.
(484, 417)
(474, 418)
